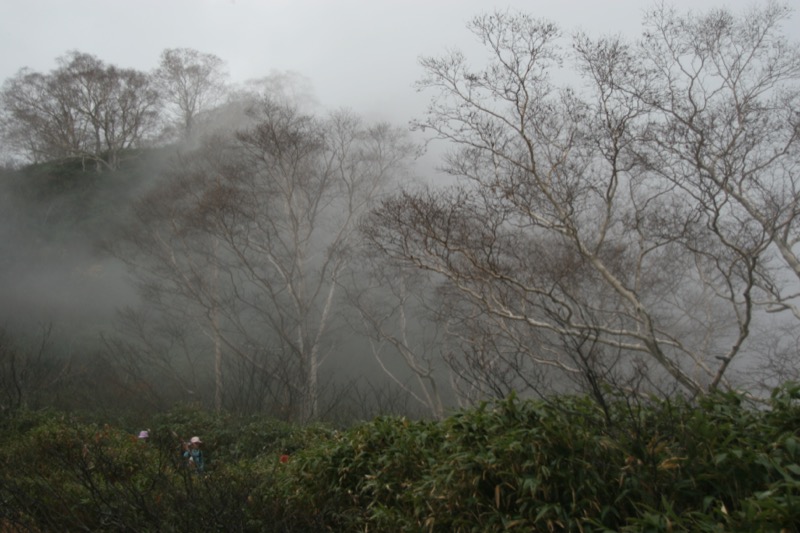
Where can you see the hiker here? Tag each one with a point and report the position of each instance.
(194, 454)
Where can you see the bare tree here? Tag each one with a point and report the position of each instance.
(564, 223)
(29, 370)
(172, 246)
(34, 123)
(191, 82)
(249, 237)
(777, 343)
(160, 360)
(720, 93)
(395, 310)
(82, 109)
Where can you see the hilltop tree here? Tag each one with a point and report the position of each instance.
(83, 109)
(627, 232)
(190, 82)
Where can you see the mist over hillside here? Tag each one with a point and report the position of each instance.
(56, 219)
(598, 214)
(70, 290)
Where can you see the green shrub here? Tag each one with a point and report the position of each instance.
(715, 465)
(66, 474)
(560, 465)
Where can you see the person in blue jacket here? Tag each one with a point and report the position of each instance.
(194, 455)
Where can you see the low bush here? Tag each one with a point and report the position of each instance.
(562, 465)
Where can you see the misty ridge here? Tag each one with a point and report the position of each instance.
(171, 237)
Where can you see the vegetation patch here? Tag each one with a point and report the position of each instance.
(664, 465)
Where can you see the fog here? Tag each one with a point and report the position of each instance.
(54, 269)
(363, 55)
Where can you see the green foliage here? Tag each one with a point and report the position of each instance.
(68, 474)
(716, 465)
(366, 474)
(562, 465)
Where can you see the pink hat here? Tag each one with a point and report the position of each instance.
(144, 434)
(196, 440)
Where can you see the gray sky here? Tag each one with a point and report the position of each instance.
(360, 54)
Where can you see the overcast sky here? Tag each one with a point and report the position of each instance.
(360, 54)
